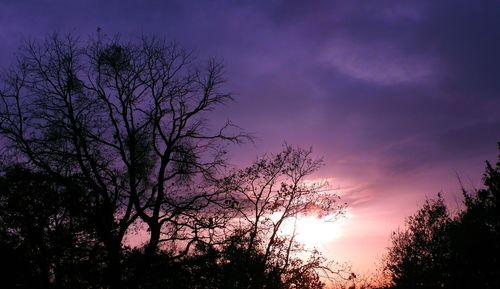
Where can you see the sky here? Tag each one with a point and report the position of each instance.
(398, 97)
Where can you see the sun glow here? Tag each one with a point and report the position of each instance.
(316, 232)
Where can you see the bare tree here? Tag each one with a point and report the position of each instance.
(127, 119)
(273, 193)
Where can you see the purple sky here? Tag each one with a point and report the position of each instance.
(397, 96)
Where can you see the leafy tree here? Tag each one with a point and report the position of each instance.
(46, 238)
(476, 236)
(419, 254)
(437, 250)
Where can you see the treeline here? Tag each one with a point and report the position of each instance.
(107, 142)
(113, 176)
(439, 249)
(49, 234)
(442, 249)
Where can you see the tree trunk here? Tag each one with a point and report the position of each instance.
(113, 273)
(154, 240)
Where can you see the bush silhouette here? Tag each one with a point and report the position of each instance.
(436, 250)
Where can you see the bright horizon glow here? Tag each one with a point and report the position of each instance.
(314, 232)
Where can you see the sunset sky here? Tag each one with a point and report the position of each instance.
(398, 97)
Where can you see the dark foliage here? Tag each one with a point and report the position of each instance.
(46, 235)
(437, 250)
(419, 255)
(49, 240)
(231, 266)
(106, 139)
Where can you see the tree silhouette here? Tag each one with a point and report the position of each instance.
(242, 244)
(437, 250)
(46, 232)
(271, 194)
(419, 255)
(475, 243)
(127, 119)
(104, 137)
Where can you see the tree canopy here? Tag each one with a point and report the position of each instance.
(105, 138)
(437, 249)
